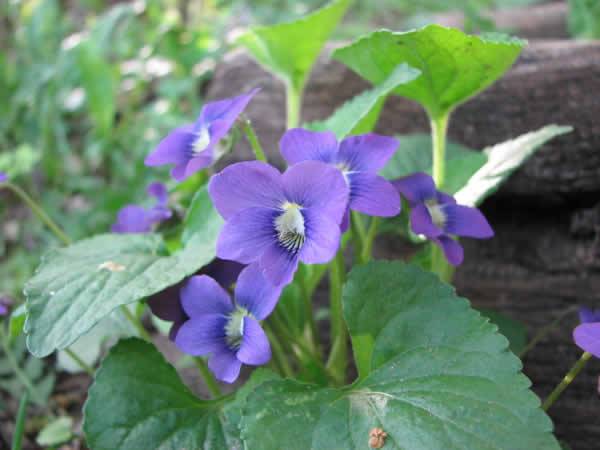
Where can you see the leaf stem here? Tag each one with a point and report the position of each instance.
(293, 104)
(80, 362)
(338, 358)
(253, 139)
(439, 128)
(566, 381)
(39, 212)
(136, 323)
(207, 376)
(20, 422)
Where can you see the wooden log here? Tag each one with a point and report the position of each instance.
(546, 21)
(545, 256)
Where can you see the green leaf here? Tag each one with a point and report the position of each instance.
(454, 66)
(290, 49)
(435, 375)
(100, 86)
(19, 162)
(414, 155)
(584, 19)
(503, 160)
(351, 114)
(138, 402)
(17, 320)
(56, 432)
(513, 330)
(75, 287)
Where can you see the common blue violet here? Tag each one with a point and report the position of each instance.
(137, 219)
(436, 215)
(279, 219)
(359, 158)
(191, 147)
(587, 334)
(227, 331)
(166, 304)
(3, 177)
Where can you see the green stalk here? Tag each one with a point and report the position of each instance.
(359, 235)
(439, 128)
(39, 212)
(566, 381)
(367, 249)
(541, 334)
(338, 357)
(293, 104)
(80, 362)
(15, 365)
(207, 376)
(20, 422)
(310, 329)
(254, 142)
(278, 352)
(136, 323)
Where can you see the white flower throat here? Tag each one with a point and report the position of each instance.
(201, 142)
(290, 227)
(234, 329)
(438, 217)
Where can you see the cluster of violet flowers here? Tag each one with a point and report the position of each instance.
(274, 220)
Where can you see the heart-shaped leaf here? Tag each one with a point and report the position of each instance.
(502, 160)
(138, 402)
(434, 375)
(352, 116)
(454, 66)
(290, 49)
(75, 287)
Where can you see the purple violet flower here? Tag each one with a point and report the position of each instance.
(279, 219)
(587, 334)
(191, 147)
(436, 215)
(166, 304)
(3, 177)
(359, 158)
(137, 219)
(227, 331)
(5, 304)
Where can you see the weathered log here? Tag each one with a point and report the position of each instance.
(546, 21)
(545, 256)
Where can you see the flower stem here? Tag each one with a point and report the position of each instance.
(278, 353)
(541, 334)
(367, 249)
(566, 381)
(10, 357)
(39, 212)
(293, 97)
(254, 142)
(338, 358)
(359, 235)
(310, 328)
(20, 422)
(439, 128)
(136, 323)
(207, 376)
(80, 362)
